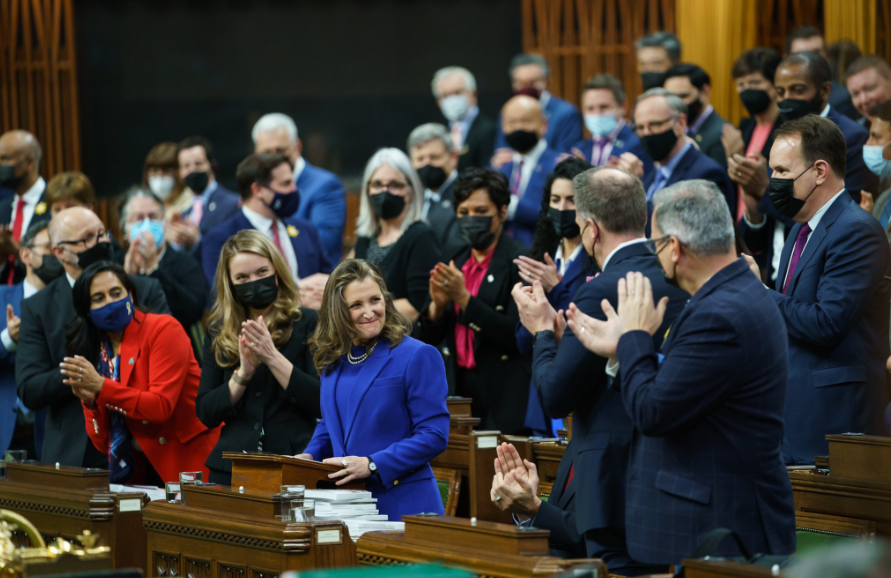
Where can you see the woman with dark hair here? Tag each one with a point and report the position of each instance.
(137, 378)
(384, 413)
(559, 262)
(472, 307)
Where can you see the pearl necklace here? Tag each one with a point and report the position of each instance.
(361, 358)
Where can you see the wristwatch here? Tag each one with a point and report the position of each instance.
(372, 467)
(542, 334)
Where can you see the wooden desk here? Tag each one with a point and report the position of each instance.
(710, 569)
(547, 456)
(459, 405)
(66, 501)
(457, 454)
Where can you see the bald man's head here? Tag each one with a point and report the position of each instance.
(20, 155)
(76, 231)
(523, 123)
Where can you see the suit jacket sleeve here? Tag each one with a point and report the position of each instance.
(425, 395)
(851, 274)
(562, 525)
(320, 445)
(153, 299)
(184, 289)
(97, 425)
(328, 214)
(422, 256)
(303, 387)
(39, 381)
(212, 404)
(210, 257)
(758, 240)
(569, 131)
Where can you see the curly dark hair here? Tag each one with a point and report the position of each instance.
(546, 238)
(474, 179)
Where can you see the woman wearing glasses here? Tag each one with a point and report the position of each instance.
(392, 233)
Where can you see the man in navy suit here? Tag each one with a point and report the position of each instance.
(22, 201)
(435, 159)
(655, 54)
(832, 291)
(605, 109)
(704, 125)
(810, 39)
(611, 211)
(34, 251)
(269, 204)
(707, 408)
(530, 163)
(660, 117)
(322, 196)
(529, 75)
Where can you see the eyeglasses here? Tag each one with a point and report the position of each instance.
(650, 244)
(88, 241)
(652, 127)
(394, 186)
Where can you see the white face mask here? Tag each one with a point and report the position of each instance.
(162, 186)
(454, 107)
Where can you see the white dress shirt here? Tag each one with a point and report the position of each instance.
(264, 225)
(298, 168)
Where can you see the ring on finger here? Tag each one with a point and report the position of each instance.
(497, 498)
(631, 293)
(445, 282)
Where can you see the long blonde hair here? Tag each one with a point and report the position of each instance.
(228, 314)
(334, 332)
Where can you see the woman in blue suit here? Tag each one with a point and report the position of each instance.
(383, 396)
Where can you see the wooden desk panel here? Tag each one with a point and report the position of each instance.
(870, 501)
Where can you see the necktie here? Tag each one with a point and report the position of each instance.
(800, 242)
(457, 136)
(657, 184)
(517, 179)
(598, 151)
(16, 234)
(886, 215)
(569, 478)
(197, 211)
(277, 241)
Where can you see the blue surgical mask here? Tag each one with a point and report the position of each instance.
(155, 229)
(601, 124)
(114, 317)
(872, 156)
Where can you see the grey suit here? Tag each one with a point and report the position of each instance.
(442, 219)
(708, 138)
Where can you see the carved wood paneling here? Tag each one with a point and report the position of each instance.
(883, 30)
(165, 565)
(779, 17)
(226, 570)
(196, 568)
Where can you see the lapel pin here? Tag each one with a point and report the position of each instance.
(491, 278)
(212, 206)
(131, 361)
(292, 231)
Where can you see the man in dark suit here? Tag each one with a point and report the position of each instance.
(530, 163)
(266, 183)
(78, 239)
(605, 109)
(707, 408)
(611, 210)
(704, 125)
(833, 292)
(810, 39)
(322, 196)
(472, 133)
(435, 159)
(655, 54)
(661, 120)
(22, 200)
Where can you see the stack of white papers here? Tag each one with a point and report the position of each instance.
(344, 505)
(338, 495)
(359, 527)
(151, 491)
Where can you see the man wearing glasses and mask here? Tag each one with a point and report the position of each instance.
(78, 239)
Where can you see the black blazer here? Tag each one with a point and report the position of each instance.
(406, 268)
(558, 515)
(479, 144)
(709, 138)
(184, 285)
(41, 349)
(443, 220)
(286, 417)
(493, 316)
(747, 128)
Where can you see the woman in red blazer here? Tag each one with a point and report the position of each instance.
(137, 378)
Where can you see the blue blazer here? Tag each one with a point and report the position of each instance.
(323, 203)
(522, 226)
(836, 312)
(626, 142)
(696, 165)
(858, 177)
(708, 419)
(311, 257)
(397, 415)
(221, 205)
(564, 125)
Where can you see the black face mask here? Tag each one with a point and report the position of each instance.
(521, 141)
(673, 280)
(477, 231)
(792, 108)
(782, 195)
(258, 294)
(755, 101)
(694, 109)
(432, 177)
(386, 205)
(197, 181)
(8, 178)
(564, 223)
(658, 146)
(50, 270)
(652, 80)
(96, 253)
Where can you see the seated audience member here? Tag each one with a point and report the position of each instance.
(833, 293)
(269, 202)
(715, 397)
(387, 416)
(136, 377)
(74, 189)
(605, 109)
(322, 197)
(472, 133)
(529, 76)
(471, 305)
(531, 161)
(660, 119)
(656, 53)
(559, 262)
(877, 156)
(611, 211)
(22, 197)
(78, 239)
(392, 234)
(435, 160)
(869, 82)
(704, 125)
(809, 39)
(178, 272)
(25, 430)
(258, 342)
(205, 204)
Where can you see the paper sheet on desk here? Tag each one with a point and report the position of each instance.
(359, 527)
(152, 492)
